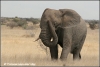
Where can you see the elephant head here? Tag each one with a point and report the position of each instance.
(52, 19)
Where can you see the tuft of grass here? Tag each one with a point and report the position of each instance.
(46, 49)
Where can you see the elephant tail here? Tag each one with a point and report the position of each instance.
(79, 55)
(37, 39)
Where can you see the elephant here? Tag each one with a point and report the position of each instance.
(64, 27)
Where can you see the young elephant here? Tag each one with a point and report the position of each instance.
(66, 28)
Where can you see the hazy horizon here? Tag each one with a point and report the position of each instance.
(27, 9)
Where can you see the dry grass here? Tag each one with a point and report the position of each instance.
(18, 49)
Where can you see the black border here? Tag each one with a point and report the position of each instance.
(49, 0)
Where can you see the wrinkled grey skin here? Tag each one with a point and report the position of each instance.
(66, 28)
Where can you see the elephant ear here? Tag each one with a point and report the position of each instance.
(70, 18)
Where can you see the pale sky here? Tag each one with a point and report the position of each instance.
(27, 9)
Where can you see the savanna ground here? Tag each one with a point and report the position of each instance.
(17, 46)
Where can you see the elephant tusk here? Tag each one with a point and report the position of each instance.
(51, 39)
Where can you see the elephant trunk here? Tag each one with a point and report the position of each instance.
(46, 38)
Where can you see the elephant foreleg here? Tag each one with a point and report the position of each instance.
(65, 52)
(66, 46)
(54, 52)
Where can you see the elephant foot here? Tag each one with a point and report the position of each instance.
(63, 59)
(76, 59)
(76, 56)
(54, 59)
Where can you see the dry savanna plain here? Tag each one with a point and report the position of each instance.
(18, 47)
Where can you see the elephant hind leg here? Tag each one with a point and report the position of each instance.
(77, 50)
